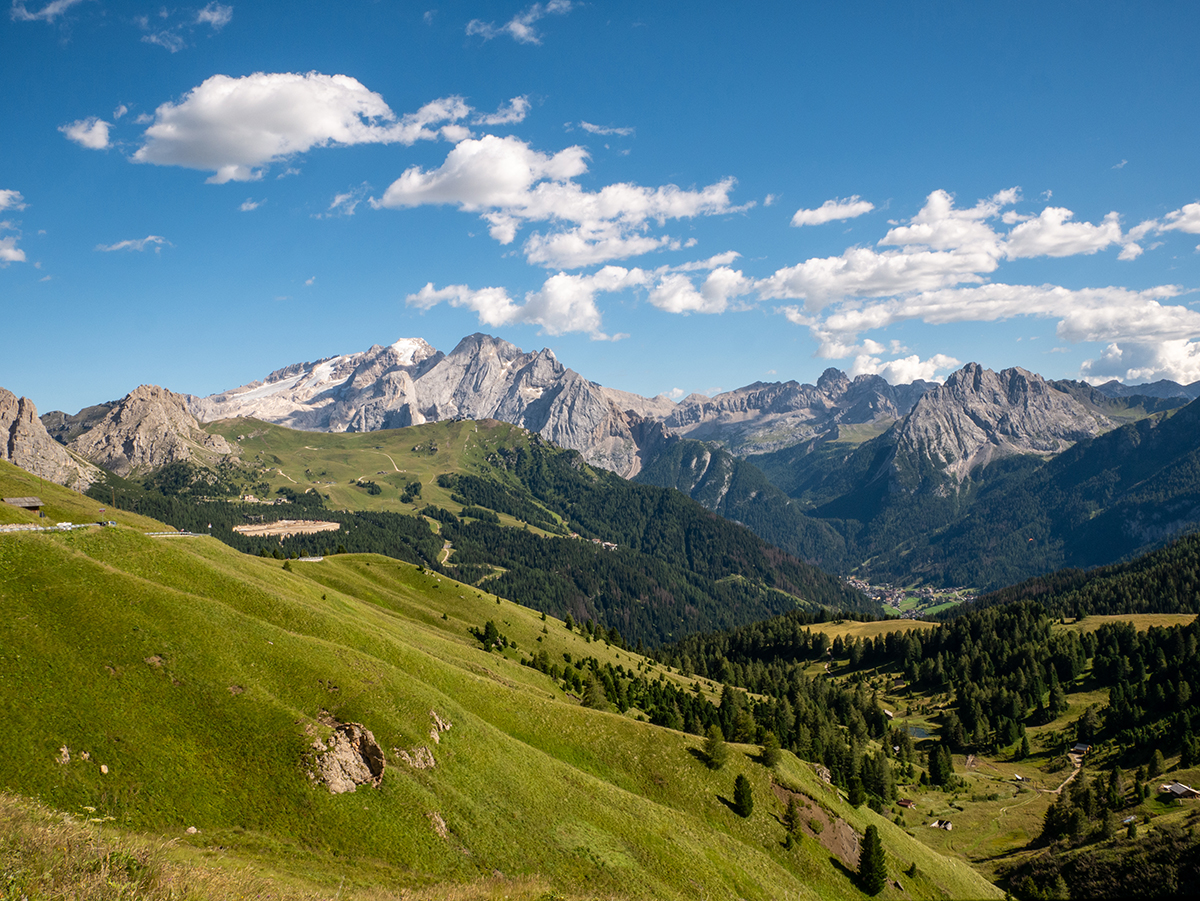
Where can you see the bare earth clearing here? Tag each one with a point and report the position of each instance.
(285, 527)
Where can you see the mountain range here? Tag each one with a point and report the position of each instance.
(847, 473)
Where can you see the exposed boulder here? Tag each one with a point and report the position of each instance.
(351, 757)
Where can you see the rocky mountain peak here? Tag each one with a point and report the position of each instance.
(149, 427)
(24, 442)
(833, 382)
(979, 415)
(768, 416)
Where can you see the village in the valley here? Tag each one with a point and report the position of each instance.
(912, 603)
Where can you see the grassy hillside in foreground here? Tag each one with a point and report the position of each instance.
(197, 676)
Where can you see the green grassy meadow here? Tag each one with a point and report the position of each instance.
(197, 678)
(332, 463)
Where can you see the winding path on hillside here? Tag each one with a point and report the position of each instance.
(1077, 762)
(393, 462)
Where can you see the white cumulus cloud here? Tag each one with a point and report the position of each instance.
(10, 252)
(91, 133)
(216, 15)
(832, 210)
(943, 246)
(250, 204)
(521, 26)
(862, 272)
(720, 259)
(235, 127)
(565, 303)
(903, 370)
(1053, 234)
(11, 200)
(1177, 359)
(941, 226)
(677, 294)
(1186, 219)
(515, 111)
(508, 184)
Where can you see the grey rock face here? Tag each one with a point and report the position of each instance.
(765, 417)
(409, 383)
(979, 415)
(64, 428)
(352, 758)
(148, 428)
(24, 442)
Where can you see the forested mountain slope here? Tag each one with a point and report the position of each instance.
(738, 490)
(1098, 501)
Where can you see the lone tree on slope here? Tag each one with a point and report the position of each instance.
(791, 816)
(872, 867)
(743, 798)
(715, 749)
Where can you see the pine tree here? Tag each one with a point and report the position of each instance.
(791, 816)
(770, 750)
(857, 794)
(743, 797)
(1157, 764)
(715, 750)
(872, 865)
(594, 695)
(935, 766)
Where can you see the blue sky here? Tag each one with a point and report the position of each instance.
(674, 197)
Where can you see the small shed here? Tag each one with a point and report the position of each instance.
(941, 824)
(26, 503)
(1081, 748)
(908, 802)
(1179, 790)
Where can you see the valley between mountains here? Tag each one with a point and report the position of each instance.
(417, 624)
